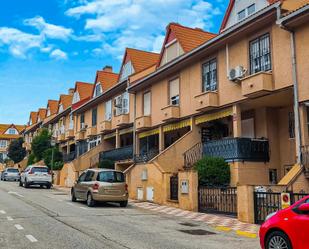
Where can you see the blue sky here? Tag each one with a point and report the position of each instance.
(45, 46)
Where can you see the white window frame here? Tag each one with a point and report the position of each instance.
(126, 71)
(76, 97)
(97, 93)
(147, 109)
(108, 110)
(3, 143)
(60, 108)
(175, 99)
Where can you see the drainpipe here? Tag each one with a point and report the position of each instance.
(134, 123)
(227, 60)
(295, 88)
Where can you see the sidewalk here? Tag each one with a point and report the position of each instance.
(219, 222)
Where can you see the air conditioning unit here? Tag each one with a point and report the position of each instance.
(237, 73)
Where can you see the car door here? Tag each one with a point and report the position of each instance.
(78, 185)
(88, 182)
(301, 225)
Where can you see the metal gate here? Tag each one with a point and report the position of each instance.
(218, 200)
(174, 188)
(266, 203)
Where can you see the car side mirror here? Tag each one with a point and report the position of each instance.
(304, 208)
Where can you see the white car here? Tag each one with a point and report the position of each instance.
(36, 175)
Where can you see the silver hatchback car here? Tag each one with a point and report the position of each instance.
(10, 174)
(101, 185)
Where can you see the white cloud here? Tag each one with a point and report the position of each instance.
(18, 42)
(58, 54)
(49, 30)
(140, 23)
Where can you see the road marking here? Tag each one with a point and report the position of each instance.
(15, 193)
(9, 218)
(223, 229)
(246, 234)
(2, 212)
(18, 227)
(31, 238)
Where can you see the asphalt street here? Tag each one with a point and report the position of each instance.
(46, 219)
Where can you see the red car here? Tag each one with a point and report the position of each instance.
(287, 228)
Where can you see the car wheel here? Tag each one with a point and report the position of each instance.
(48, 186)
(90, 200)
(123, 203)
(278, 240)
(73, 197)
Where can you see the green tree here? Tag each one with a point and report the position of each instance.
(31, 159)
(16, 152)
(58, 161)
(213, 171)
(41, 143)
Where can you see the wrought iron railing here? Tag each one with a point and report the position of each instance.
(120, 154)
(146, 156)
(238, 149)
(69, 157)
(192, 155)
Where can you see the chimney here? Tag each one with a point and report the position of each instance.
(108, 69)
(71, 91)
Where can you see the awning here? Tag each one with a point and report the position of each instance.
(108, 136)
(214, 116)
(176, 126)
(148, 133)
(125, 131)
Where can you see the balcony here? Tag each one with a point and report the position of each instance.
(91, 131)
(171, 112)
(69, 134)
(105, 126)
(120, 154)
(69, 157)
(144, 157)
(206, 101)
(61, 137)
(122, 120)
(238, 149)
(257, 85)
(143, 122)
(80, 135)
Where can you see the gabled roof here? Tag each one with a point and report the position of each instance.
(34, 117)
(65, 100)
(188, 38)
(53, 106)
(5, 127)
(230, 8)
(84, 89)
(42, 113)
(140, 59)
(107, 79)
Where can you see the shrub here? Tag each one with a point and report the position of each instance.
(213, 171)
(40, 144)
(106, 164)
(47, 157)
(31, 159)
(16, 151)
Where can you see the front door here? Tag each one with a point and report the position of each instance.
(150, 194)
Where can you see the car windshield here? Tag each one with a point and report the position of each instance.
(12, 170)
(110, 176)
(42, 170)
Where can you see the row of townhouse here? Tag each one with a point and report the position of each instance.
(242, 94)
(8, 133)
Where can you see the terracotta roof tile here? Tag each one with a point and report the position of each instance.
(189, 38)
(42, 113)
(5, 127)
(84, 89)
(107, 79)
(66, 101)
(141, 59)
(34, 117)
(53, 105)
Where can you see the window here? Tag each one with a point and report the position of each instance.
(146, 103)
(126, 71)
(241, 15)
(209, 77)
(97, 90)
(108, 110)
(71, 125)
(89, 176)
(60, 108)
(260, 54)
(48, 112)
(93, 142)
(94, 116)
(82, 177)
(251, 9)
(76, 97)
(11, 131)
(3, 143)
(110, 176)
(122, 104)
(174, 92)
(273, 176)
(291, 125)
(82, 121)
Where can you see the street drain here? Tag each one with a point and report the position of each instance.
(197, 232)
(187, 224)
